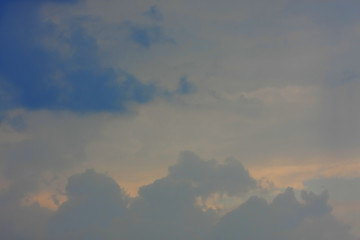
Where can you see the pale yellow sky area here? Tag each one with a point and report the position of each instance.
(293, 175)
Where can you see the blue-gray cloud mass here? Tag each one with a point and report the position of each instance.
(284, 218)
(97, 208)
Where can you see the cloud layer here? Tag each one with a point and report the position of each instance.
(122, 87)
(97, 208)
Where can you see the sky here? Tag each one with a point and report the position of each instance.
(177, 119)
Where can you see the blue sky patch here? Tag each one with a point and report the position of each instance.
(40, 78)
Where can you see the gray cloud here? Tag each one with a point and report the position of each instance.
(284, 218)
(154, 13)
(97, 208)
(18, 221)
(207, 177)
(94, 206)
(45, 145)
(172, 199)
(168, 208)
(339, 188)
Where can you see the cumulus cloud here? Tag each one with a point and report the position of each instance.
(19, 221)
(94, 207)
(172, 200)
(168, 208)
(284, 218)
(207, 177)
(97, 208)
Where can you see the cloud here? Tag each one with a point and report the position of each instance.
(33, 152)
(345, 196)
(284, 218)
(172, 200)
(6, 4)
(173, 205)
(154, 13)
(146, 36)
(333, 14)
(339, 112)
(18, 221)
(339, 188)
(23, 222)
(255, 67)
(98, 208)
(33, 162)
(168, 208)
(185, 87)
(94, 206)
(208, 177)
